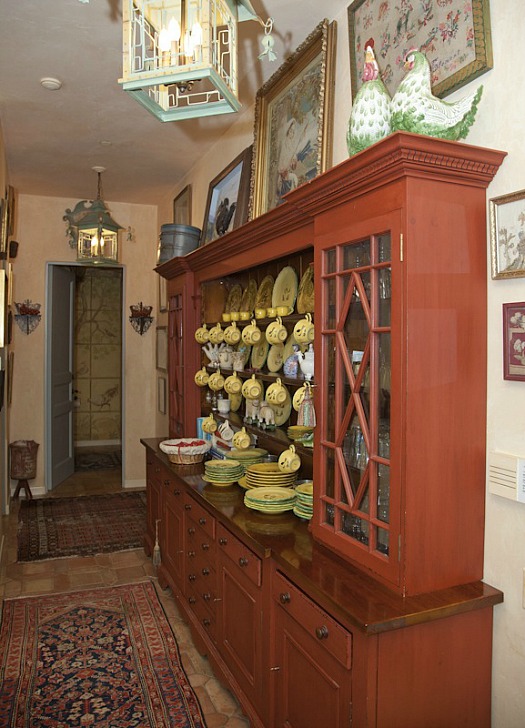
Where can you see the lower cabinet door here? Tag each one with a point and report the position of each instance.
(311, 666)
(172, 537)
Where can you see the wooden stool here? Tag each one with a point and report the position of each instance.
(25, 485)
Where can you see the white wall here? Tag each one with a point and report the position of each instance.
(499, 125)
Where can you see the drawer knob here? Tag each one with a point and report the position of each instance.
(166, 482)
(192, 577)
(176, 492)
(205, 546)
(206, 622)
(223, 541)
(205, 571)
(243, 561)
(192, 600)
(192, 554)
(191, 531)
(321, 632)
(284, 598)
(206, 596)
(187, 506)
(202, 521)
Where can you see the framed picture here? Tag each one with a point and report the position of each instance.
(161, 395)
(228, 196)
(10, 221)
(3, 228)
(507, 235)
(163, 294)
(182, 207)
(455, 37)
(514, 341)
(3, 308)
(294, 121)
(162, 348)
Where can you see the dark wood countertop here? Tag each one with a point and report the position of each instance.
(351, 595)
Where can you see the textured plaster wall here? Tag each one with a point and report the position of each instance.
(41, 233)
(499, 125)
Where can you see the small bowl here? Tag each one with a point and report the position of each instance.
(235, 315)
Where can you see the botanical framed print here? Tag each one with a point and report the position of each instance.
(455, 36)
(514, 341)
(228, 196)
(182, 207)
(161, 359)
(161, 395)
(293, 121)
(507, 235)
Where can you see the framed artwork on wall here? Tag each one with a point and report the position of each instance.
(507, 235)
(228, 196)
(514, 341)
(293, 121)
(182, 207)
(163, 294)
(161, 360)
(161, 395)
(454, 36)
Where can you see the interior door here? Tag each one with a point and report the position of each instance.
(60, 463)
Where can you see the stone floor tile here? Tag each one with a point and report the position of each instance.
(223, 701)
(38, 585)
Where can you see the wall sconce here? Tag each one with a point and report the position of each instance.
(180, 56)
(27, 316)
(140, 317)
(92, 230)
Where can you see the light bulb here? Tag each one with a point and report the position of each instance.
(188, 43)
(196, 35)
(164, 40)
(174, 30)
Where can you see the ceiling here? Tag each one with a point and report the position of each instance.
(54, 138)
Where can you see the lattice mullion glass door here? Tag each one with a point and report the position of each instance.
(354, 495)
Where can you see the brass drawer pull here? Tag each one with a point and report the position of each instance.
(205, 546)
(243, 561)
(176, 492)
(192, 554)
(206, 596)
(321, 632)
(192, 600)
(187, 506)
(285, 598)
(206, 622)
(192, 577)
(202, 521)
(191, 531)
(205, 571)
(223, 541)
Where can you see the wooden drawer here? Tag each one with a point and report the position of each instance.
(200, 515)
(240, 554)
(334, 638)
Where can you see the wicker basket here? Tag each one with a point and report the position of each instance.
(185, 451)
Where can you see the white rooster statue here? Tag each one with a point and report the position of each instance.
(371, 111)
(416, 109)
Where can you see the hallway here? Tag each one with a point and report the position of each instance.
(60, 575)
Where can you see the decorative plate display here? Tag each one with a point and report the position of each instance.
(246, 350)
(263, 299)
(259, 354)
(270, 500)
(275, 358)
(248, 297)
(305, 296)
(236, 401)
(285, 288)
(233, 302)
(289, 346)
(282, 411)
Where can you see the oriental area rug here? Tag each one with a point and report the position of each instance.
(50, 528)
(101, 658)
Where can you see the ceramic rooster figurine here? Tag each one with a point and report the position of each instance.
(416, 109)
(370, 119)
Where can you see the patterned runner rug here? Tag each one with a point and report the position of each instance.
(103, 658)
(50, 528)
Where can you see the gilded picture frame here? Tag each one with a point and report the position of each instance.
(455, 37)
(161, 348)
(182, 207)
(228, 198)
(514, 341)
(294, 121)
(507, 235)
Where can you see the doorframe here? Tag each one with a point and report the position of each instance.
(47, 367)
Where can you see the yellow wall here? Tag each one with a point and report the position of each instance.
(42, 238)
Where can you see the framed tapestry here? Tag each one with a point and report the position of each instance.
(228, 195)
(514, 341)
(293, 121)
(455, 37)
(507, 235)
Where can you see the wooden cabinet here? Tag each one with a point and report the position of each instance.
(240, 614)
(172, 532)
(153, 500)
(312, 662)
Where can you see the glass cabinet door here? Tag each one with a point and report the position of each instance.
(355, 499)
(176, 366)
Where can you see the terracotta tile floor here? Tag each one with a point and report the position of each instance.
(43, 577)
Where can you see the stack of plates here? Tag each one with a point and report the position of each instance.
(299, 432)
(247, 457)
(267, 475)
(304, 504)
(270, 500)
(222, 472)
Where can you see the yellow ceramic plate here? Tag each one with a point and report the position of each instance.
(248, 297)
(233, 302)
(259, 354)
(305, 296)
(236, 401)
(285, 288)
(263, 299)
(282, 411)
(275, 358)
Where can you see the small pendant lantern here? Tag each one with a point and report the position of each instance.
(97, 232)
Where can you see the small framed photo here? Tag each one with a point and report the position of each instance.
(293, 121)
(228, 198)
(507, 235)
(162, 348)
(163, 294)
(161, 395)
(182, 207)
(514, 341)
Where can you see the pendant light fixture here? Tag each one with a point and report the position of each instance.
(97, 232)
(180, 56)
